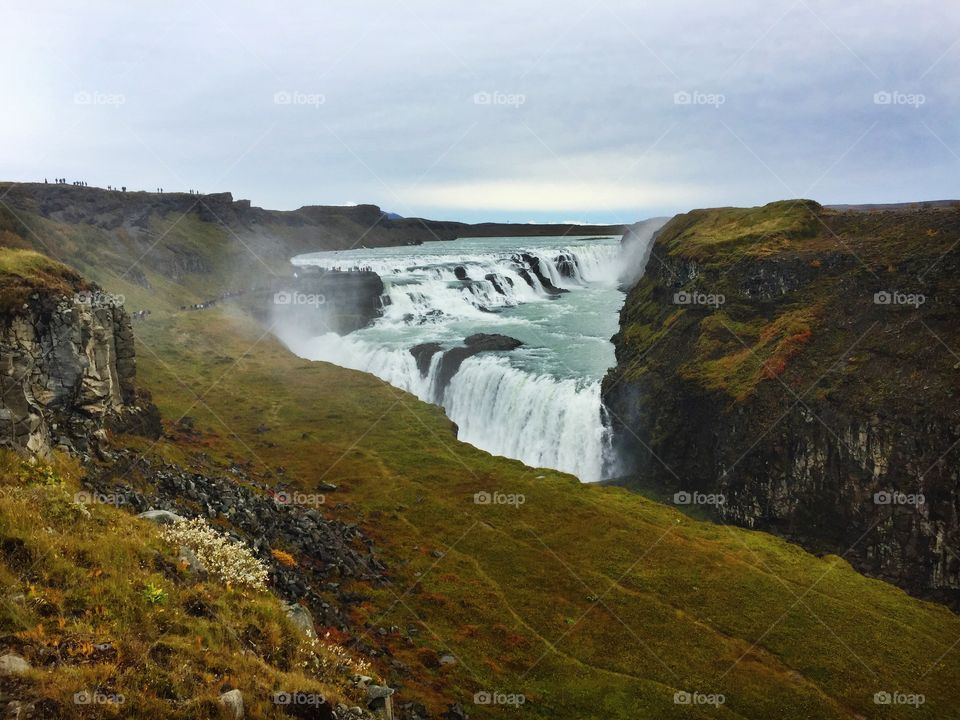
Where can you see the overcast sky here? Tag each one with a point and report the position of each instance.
(594, 111)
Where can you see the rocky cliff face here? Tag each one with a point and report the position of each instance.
(795, 369)
(67, 372)
(321, 302)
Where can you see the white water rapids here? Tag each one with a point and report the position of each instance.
(539, 403)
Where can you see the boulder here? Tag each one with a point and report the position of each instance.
(12, 664)
(423, 353)
(533, 263)
(527, 277)
(301, 619)
(376, 692)
(380, 698)
(473, 345)
(46, 709)
(567, 265)
(188, 559)
(232, 702)
(483, 342)
(499, 282)
(414, 711)
(161, 517)
(455, 712)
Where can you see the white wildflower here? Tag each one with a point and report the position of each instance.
(227, 560)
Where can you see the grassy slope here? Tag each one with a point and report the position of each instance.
(23, 272)
(796, 337)
(591, 601)
(682, 604)
(112, 258)
(76, 580)
(726, 232)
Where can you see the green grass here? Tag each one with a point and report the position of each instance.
(735, 357)
(25, 272)
(95, 599)
(703, 234)
(685, 604)
(164, 277)
(592, 601)
(830, 264)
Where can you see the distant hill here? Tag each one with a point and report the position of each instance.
(923, 204)
(151, 226)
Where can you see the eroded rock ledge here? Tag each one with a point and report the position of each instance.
(67, 373)
(453, 358)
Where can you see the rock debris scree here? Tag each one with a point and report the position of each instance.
(327, 550)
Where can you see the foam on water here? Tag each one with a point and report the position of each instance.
(539, 404)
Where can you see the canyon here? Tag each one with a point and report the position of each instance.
(451, 572)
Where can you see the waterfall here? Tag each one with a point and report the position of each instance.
(489, 400)
(525, 404)
(538, 419)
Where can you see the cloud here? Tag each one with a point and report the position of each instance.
(547, 195)
(382, 107)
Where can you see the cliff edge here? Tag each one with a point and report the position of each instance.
(795, 369)
(67, 360)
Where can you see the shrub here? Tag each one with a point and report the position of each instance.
(229, 561)
(284, 558)
(154, 594)
(37, 472)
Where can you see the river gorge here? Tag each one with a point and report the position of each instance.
(554, 300)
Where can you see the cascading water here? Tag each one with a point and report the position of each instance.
(490, 400)
(539, 403)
